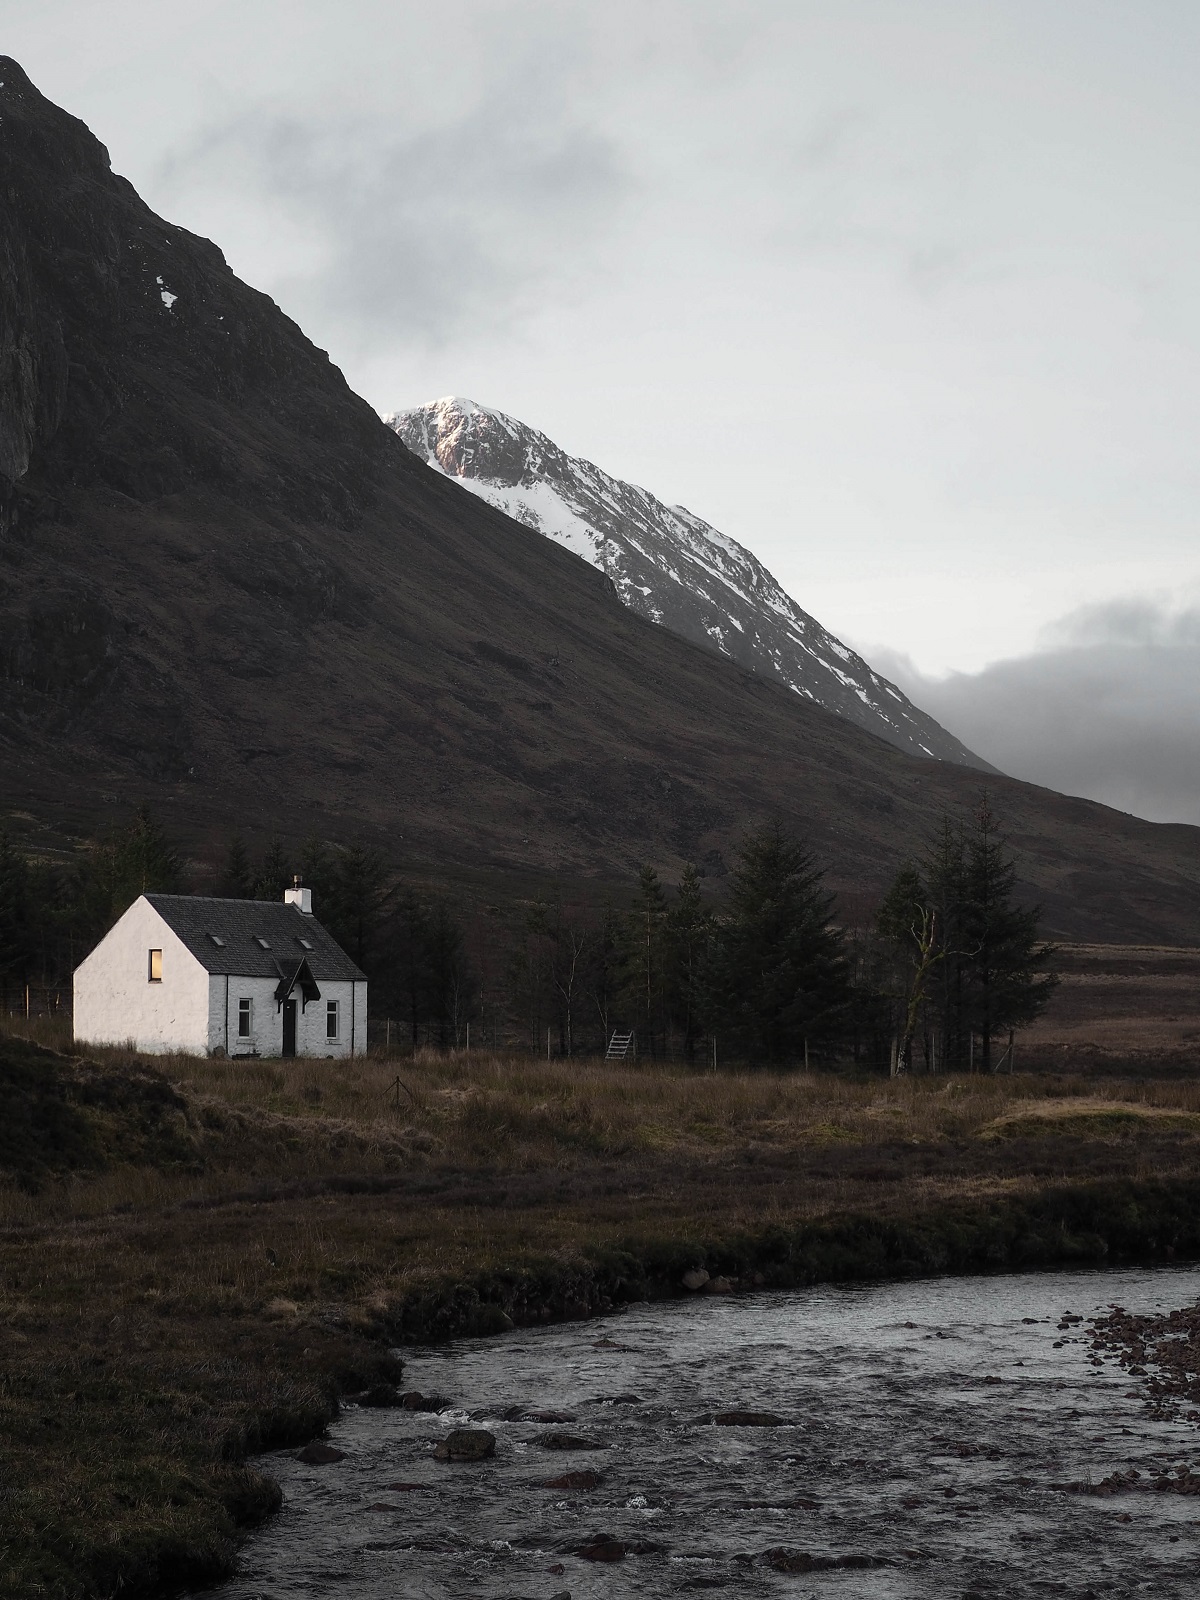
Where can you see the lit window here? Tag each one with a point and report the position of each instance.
(154, 966)
(331, 1020)
(244, 1014)
(258, 939)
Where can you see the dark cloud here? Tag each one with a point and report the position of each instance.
(416, 233)
(1109, 709)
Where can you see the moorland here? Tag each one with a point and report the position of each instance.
(201, 1259)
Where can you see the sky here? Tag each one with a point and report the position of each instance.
(903, 294)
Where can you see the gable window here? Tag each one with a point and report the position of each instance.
(245, 1018)
(331, 1020)
(154, 966)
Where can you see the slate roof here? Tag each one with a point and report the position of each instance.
(240, 924)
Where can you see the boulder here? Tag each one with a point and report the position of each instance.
(784, 1559)
(574, 1480)
(747, 1419)
(718, 1286)
(568, 1441)
(466, 1444)
(601, 1547)
(695, 1279)
(319, 1454)
(522, 1414)
(414, 1400)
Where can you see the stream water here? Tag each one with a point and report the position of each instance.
(924, 1423)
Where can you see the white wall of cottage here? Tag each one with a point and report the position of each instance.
(115, 1002)
(266, 1018)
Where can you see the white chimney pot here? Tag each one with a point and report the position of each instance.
(300, 898)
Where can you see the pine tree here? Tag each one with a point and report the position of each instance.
(237, 878)
(778, 977)
(356, 903)
(690, 927)
(120, 866)
(274, 875)
(1006, 967)
(317, 871)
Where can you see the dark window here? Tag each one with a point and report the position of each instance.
(243, 1019)
(217, 940)
(331, 1020)
(258, 939)
(304, 942)
(154, 966)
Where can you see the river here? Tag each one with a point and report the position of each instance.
(923, 1424)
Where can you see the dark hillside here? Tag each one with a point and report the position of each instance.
(226, 586)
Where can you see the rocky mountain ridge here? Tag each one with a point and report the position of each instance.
(666, 564)
(229, 591)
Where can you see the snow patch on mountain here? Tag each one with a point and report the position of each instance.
(667, 564)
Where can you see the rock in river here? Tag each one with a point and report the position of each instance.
(568, 1441)
(601, 1547)
(747, 1419)
(414, 1400)
(574, 1480)
(466, 1444)
(319, 1454)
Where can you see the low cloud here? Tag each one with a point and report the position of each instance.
(410, 234)
(1109, 708)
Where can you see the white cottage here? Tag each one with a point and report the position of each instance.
(222, 977)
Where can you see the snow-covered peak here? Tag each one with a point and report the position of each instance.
(666, 563)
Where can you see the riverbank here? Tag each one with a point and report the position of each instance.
(198, 1257)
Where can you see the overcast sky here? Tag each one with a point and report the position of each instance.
(901, 293)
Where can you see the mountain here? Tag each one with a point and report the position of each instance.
(228, 589)
(668, 565)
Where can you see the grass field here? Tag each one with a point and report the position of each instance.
(197, 1257)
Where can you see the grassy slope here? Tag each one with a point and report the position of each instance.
(197, 1257)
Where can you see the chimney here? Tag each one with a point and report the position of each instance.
(299, 897)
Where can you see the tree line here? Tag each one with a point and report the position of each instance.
(765, 973)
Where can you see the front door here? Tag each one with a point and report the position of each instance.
(289, 1027)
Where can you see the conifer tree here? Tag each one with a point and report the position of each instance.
(317, 871)
(356, 902)
(1006, 967)
(123, 864)
(778, 976)
(690, 927)
(274, 875)
(237, 877)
